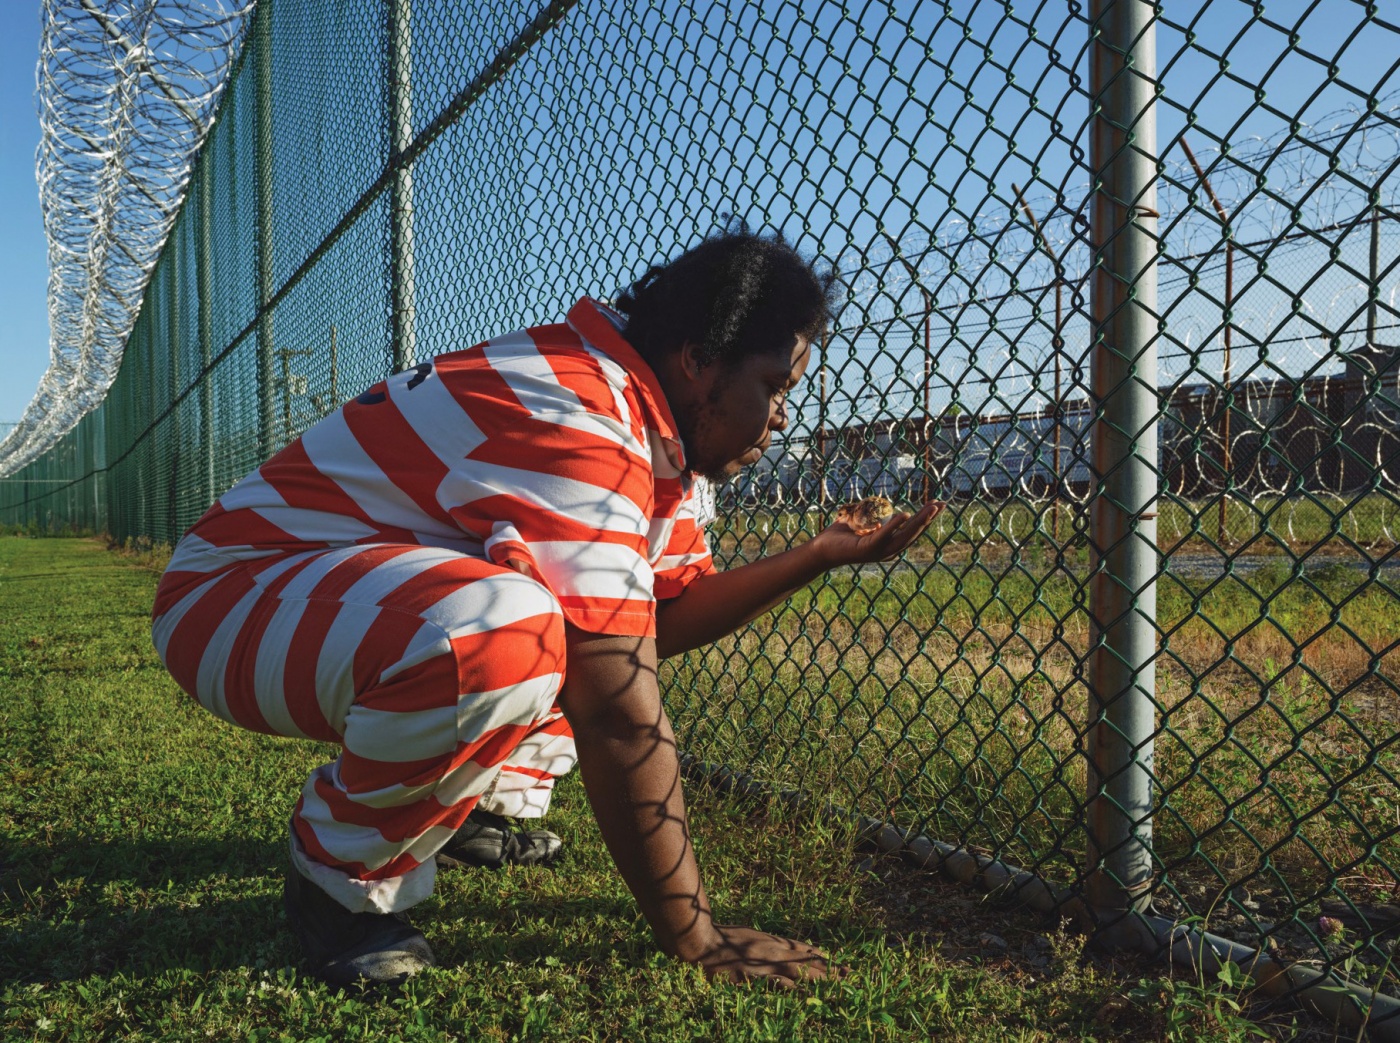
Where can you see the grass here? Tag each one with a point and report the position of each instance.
(141, 857)
(951, 696)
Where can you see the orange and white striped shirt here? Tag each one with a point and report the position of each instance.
(553, 446)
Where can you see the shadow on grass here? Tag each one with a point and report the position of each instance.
(77, 907)
(73, 907)
(78, 942)
(251, 933)
(59, 858)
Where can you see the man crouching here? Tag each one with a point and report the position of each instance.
(465, 578)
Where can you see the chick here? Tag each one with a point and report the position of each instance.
(865, 516)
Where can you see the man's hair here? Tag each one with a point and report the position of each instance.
(735, 295)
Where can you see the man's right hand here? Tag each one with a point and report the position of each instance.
(627, 754)
(745, 954)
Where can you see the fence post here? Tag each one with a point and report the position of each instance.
(1227, 388)
(204, 267)
(101, 494)
(91, 426)
(821, 424)
(262, 147)
(403, 330)
(171, 257)
(1123, 525)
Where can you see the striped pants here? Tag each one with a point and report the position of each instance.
(435, 672)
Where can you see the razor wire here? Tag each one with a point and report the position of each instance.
(126, 93)
(938, 154)
(1005, 414)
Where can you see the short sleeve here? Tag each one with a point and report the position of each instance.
(687, 554)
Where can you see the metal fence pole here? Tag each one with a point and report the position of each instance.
(262, 54)
(99, 525)
(204, 268)
(149, 460)
(403, 331)
(1123, 533)
(111, 502)
(1373, 281)
(927, 483)
(172, 333)
(335, 374)
(1226, 379)
(821, 423)
(99, 465)
(1056, 346)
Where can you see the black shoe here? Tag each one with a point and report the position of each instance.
(343, 948)
(493, 841)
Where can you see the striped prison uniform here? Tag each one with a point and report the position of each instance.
(397, 580)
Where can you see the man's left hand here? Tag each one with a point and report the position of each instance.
(840, 545)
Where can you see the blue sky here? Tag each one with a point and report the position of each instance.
(24, 334)
(842, 216)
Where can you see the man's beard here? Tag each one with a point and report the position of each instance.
(718, 473)
(719, 476)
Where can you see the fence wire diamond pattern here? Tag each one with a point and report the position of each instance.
(389, 181)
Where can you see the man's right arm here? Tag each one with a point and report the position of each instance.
(631, 771)
(719, 603)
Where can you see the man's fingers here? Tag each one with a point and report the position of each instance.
(916, 522)
(928, 512)
(775, 961)
(919, 522)
(895, 523)
(900, 531)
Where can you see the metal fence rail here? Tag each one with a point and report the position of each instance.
(1121, 287)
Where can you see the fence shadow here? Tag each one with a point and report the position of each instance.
(82, 907)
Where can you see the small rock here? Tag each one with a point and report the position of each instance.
(991, 941)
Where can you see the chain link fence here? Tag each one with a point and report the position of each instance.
(1121, 288)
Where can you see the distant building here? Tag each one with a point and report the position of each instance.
(1333, 433)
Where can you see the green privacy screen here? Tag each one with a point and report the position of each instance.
(1120, 288)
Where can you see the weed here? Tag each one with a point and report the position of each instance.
(1196, 1010)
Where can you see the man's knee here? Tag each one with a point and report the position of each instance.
(482, 653)
(497, 627)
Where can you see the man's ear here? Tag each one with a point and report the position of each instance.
(690, 360)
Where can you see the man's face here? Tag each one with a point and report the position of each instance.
(731, 412)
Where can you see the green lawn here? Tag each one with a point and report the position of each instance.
(141, 858)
